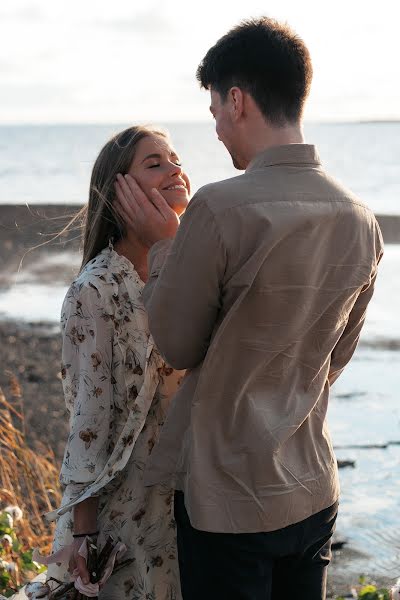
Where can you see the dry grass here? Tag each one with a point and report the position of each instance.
(28, 478)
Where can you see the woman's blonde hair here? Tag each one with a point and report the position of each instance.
(101, 222)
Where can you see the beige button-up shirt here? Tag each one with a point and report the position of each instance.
(262, 295)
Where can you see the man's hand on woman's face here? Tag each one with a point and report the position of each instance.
(150, 219)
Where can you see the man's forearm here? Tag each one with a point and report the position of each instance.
(183, 293)
(155, 261)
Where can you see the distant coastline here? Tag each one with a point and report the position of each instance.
(167, 122)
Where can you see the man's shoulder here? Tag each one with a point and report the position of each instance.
(350, 210)
(265, 187)
(224, 194)
(339, 192)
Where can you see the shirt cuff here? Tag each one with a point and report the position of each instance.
(157, 255)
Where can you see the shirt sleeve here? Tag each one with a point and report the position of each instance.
(88, 385)
(348, 341)
(183, 293)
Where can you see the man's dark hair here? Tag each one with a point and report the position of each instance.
(266, 59)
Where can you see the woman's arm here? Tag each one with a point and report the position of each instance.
(85, 516)
(87, 383)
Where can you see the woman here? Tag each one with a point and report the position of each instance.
(117, 387)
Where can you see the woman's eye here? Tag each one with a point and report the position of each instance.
(177, 163)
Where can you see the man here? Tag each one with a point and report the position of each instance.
(261, 296)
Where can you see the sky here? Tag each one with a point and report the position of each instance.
(77, 61)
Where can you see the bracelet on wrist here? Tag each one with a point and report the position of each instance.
(81, 535)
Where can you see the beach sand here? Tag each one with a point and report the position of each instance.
(31, 352)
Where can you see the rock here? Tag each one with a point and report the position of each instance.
(346, 463)
(338, 545)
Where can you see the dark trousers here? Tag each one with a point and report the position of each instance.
(286, 564)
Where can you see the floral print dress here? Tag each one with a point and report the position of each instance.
(117, 390)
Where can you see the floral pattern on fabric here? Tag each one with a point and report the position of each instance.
(117, 389)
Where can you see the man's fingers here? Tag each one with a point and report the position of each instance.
(126, 210)
(136, 190)
(150, 219)
(144, 202)
(120, 195)
(134, 197)
(160, 203)
(123, 216)
(127, 197)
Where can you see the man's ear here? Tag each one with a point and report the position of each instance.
(236, 101)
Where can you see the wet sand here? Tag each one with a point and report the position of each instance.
(28, 234)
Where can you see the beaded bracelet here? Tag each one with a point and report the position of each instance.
(79, 535)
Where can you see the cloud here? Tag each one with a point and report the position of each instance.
(23, 95)
(9, 67)
(146, 23)
(30, 13)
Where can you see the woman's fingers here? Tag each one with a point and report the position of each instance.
(71, 565)
(77, 563)
(82, 569)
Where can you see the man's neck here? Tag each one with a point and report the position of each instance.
(264, 136)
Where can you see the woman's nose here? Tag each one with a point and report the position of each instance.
(176, 169)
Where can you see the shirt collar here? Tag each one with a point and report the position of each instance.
(291, 154)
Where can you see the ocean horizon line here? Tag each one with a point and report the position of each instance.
(384, 121)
